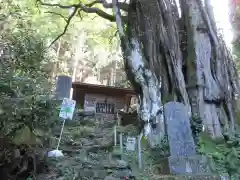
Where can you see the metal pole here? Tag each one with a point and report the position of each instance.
(60, 137)
(115, 135)
(121, 143)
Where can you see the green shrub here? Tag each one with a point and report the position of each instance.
(225, 153)
(26, 106)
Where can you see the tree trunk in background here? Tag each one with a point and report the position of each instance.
(234, 19)
(55, 63)
(178, 56)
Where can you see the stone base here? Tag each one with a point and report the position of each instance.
(188, 165)
(193, 177)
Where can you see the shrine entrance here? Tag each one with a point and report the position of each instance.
(104, 100)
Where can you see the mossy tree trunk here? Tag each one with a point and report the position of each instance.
(177, 55)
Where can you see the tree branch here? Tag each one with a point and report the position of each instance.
(122, 5)
(65, 29)
(114, 35)
(87, 8)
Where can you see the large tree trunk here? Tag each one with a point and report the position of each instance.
(178, 56)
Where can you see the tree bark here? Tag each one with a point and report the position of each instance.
(179, 56)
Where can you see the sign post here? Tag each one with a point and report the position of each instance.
(66, 112)
(64, 91)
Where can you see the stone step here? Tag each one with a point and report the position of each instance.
(91, 169)
(102, 174)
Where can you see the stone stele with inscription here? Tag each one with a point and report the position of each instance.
(183, 158)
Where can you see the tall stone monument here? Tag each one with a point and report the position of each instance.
(183, 158)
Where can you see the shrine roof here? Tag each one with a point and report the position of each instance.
(95, 88)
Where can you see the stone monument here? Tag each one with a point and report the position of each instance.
(183, 158)
(63, 87)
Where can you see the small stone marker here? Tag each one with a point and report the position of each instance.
(67, 109)
(183, 159)
(131, 143)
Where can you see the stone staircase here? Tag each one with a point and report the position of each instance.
(88, 155)
(88, 146)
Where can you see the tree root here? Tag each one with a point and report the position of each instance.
(19, 163)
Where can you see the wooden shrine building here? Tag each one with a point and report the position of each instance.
(102, 99)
